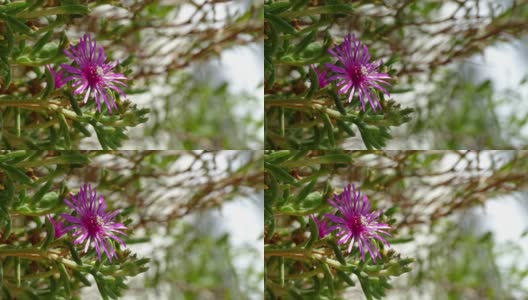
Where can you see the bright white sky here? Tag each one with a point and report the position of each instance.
(505, 66)
(244, 68)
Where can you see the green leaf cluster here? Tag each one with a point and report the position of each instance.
(34, 263)
(33, 113)
(298, 113)
(300, 265)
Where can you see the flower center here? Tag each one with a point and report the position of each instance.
(357, 223)
(93, 224)
(357, 73)
(93, 74)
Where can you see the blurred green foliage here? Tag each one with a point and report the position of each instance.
(473, 271)
(464, 114)
(199, 265)
(197, 122)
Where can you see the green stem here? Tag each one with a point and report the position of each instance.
(26, 253)
(38, 254)
(286, 252)
(303, 275)
(66, 112)
(40, 13)
(51, 11)
(302, 104)
(278, 101)
(34, 213)
(333, 113)
(26, 103)
(334, 263)
(57, 160)
(304, 254)
(67, 262)
(56, 107)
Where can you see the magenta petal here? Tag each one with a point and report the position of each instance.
(93, 223)
(358, 222)
(93, 73)
(322, 226)
(70, 218)
(335, 219)
(358, 71)
(58, 227)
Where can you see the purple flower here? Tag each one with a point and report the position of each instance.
(93, 74)
(323, 226)
(92, 223)
(357, 72)
(58, 77)
(322, 76)
(58, 226)
(358, 223)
